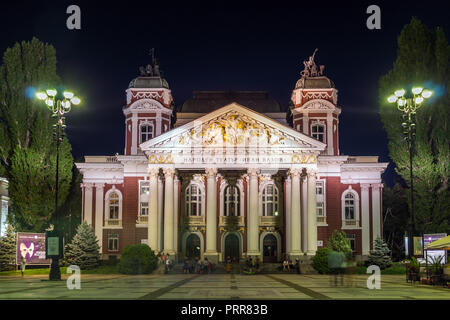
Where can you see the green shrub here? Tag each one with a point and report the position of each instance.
(320, 261)
(338, 242)
(137, 259)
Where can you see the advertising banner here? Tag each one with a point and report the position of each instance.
(31, 247)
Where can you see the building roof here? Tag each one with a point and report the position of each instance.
(148, 82)
(320, 82)
(207, 101)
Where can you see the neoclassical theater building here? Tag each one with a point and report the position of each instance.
(232, 174)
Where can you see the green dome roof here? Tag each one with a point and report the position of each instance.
(148, 82)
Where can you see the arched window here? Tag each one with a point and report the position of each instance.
(349, 206)
(232, 201)
(318, 132)
(113, 205)
(146, 132)
(270, 200)
(193, 200)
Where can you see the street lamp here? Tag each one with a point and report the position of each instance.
(409, 105)
(58, 106)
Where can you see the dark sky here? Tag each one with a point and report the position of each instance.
(216, 45)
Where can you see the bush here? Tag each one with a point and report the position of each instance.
(320, 261)
(338, 242)
(137, 259)
(380, 255)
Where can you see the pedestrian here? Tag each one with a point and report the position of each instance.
(257, 264)
(336, 262)
(186, 266)
(228, 265)
(286, 265)
(297, 266)
(22, 266)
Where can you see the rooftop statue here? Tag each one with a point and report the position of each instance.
(311, 69)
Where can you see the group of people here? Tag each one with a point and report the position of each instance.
(164, 259)
(287, 265)
(252, 266)
(197, 266)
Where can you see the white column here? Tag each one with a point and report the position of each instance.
(88, 202)
(134, 133)
(295, 213)
(287, 210)
(312, 215)
(168, 211)
(211, 215)
(304, 211)
(330, 144)
(153, 227)
(253, 218)
(376, 210)
(175, 212)
(160, 214)
(365, 219)
(99, 187)
(305, 124)
(158, 124)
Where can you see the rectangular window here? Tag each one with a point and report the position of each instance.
(144, 194)
(351, 239)
(113, 242)
(320, 199)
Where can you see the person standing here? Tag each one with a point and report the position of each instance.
(22, 266)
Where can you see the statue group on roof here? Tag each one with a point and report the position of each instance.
(311, 69)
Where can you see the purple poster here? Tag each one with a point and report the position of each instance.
(31, 247)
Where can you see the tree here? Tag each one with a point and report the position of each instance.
(380, 254)
(83, 251)
(395, 219)
(8, 249)
(338, 242)
(137, 259)
(27, 150)
(422, 59)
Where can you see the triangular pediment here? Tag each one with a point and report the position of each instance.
(233, 126)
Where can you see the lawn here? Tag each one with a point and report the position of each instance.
(106, 269)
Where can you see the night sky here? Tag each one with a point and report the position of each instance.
(218, 46)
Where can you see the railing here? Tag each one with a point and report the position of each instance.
(100, 159)
(195, 220)
(228, 220)
(321, 219)
(113, 223)
(350, 223)
(142, 220)
(269, 221)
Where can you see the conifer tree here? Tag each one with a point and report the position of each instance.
(380, 254)
(83, 251)
(27, 149)
(422, 60)
(8, 249)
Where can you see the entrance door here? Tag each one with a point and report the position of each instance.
(270, 248)
(232, 247)
(193, 246)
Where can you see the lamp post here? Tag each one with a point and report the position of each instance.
(408, 106)
(58, 106)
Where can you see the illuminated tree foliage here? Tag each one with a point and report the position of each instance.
(27, 149)
(8, 250)
(422, 60)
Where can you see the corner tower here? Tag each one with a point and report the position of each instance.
(314, 106)
(148, 109)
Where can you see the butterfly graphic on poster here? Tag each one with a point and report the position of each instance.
(24, 250)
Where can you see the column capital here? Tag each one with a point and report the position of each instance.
(169, 172)
(87, 185)
(253, 172)
(311, 172)
(153, 172)
(211, 172)
(365, 186)
(99, 185)
(376, 185)
(295, 172)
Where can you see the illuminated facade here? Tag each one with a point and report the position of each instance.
(4, 203)
(230, 174)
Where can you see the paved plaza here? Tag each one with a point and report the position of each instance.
(217, 286)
